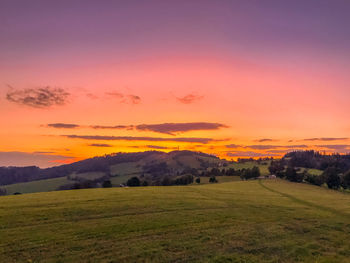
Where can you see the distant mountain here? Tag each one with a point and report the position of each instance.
(150, 163)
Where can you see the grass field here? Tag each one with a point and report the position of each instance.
(88, 175)
(120, 179)
(37, 186)
(248, 221)
(126, 168)
(220, 179)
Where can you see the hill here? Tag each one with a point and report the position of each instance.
(114, 164)
(117, 168)
(246, 221)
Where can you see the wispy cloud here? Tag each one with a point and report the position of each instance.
(189, 99)
(41, 159)
(171, 128)
(165, 128)
(158, 147)
(337, 147)
(124, 98)
(234, 146)
(266, 140)
(43, 97)
(100, 145)
(115, 94)
(266, 147)
(326, 139)
(131, 138)
(63, 125)
(249, 154)
(116, 127)
(133, 99)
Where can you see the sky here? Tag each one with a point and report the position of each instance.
(234, 78)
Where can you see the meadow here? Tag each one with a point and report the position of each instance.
(245, 221)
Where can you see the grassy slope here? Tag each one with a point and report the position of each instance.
(88, 175)
(220, 179)
(37, 186)
(126, 168)
(120, 179)
(251, 221)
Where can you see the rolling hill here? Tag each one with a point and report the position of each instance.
(118, 168)
(246, 221)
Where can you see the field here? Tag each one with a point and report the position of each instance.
(250, 221)
(220, 179)
(87, 176)
(37, 186)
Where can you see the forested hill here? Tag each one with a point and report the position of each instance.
(176, 161)
(317, 160)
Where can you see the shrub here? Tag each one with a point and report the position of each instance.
(230, 172)
(276, 167)
(212, 179)
(107, 184)
(333, 179)
(215, 172)
(293, 176)
(184, 180)
(314, 179)
(346, 180)
(166, 181)
(198, 180)
(133, 181)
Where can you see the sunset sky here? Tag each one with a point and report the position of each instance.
(233, 78)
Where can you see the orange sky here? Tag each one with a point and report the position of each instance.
(270, 94)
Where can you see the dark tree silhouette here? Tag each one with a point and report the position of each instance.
(133, 181)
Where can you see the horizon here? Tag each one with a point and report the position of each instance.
(234, 79)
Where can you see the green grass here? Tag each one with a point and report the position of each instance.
(247, 221)
(314, 171)
(126, 168)
(88, 175)
(120, 179)
(37, 186)
(220, 179)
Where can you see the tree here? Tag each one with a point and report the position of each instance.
(106, 184)
(212, 179)
(276, 168)
(250, 173)
(133, 181)
(255, 172)
(145, 183)
(184, 180)
(346, 180)
(314, 179)
(215, 172)
(166, 181)
(198, 180)
(293, 176)
(332, 177)
(230, 172)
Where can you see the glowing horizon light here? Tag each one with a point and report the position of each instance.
(126, 77)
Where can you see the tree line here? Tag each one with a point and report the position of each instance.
(335, 169)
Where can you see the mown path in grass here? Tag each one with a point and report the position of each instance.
(304, 202)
